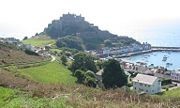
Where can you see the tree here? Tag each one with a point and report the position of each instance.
(90, 79)
(113, 76)
(108, 43)
(80, 76)
(25, 38)
(86, 77)
(63, 59)
(70, 42)
(36, 34)
(83, 62)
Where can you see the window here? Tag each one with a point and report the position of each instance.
(146, 90)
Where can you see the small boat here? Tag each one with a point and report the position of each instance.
(169, 64)
(164, 58)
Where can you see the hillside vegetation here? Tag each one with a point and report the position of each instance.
(9, 54)
(39, 41)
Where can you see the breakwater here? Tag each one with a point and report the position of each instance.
(153, 49)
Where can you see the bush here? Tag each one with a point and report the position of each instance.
(166, 81)
(29, 52)
(88, 78)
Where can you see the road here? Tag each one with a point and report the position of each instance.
(53, 58)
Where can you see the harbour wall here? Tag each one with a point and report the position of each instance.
(153, 49)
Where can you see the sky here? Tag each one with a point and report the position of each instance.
(135, 18)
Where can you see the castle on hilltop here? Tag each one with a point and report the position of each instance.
(71, 17)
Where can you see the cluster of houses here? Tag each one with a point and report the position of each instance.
(142, 83)
(149, 73)
(104, 52)
(43, 51)
(148, 79)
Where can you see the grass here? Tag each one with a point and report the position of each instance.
(170, 94)
(12, 98)
(50, 73)
(39, 41)
(56, 50)
(5, 94)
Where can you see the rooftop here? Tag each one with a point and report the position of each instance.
(146, 79)
(100, 72)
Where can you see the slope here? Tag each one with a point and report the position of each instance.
(92, 36)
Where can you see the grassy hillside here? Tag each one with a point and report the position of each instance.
(12, 98)
(11, 55)
(170, 93)
(23, 93)
(39, 41)
(49, 73)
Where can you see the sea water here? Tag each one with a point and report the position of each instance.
(156, 58)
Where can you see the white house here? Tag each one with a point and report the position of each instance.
(146, 84)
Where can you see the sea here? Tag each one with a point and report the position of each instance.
(156, 58)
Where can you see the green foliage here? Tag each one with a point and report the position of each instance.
(166, 81)
(12, 68)
(73, 42)
(25, 38)
(83, 62)
(80, 76)
(49, 73)
(63, 59)
(39, 41)
(108, 43)
(113, 76)
(29, 52)
(5, 95)
(88, 78)
(69, 50)
(56, 51)
(100, 64)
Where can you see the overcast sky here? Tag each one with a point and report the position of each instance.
(135, 18)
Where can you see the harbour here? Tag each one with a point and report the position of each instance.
(167, 59)
(153, 49)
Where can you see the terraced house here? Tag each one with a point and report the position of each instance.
(146, 84)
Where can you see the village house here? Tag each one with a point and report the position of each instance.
(106, 51)
(175, 75)
(146, 84)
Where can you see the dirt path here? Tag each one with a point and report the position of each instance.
(53, 58)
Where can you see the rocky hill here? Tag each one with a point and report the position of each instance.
(91, 36)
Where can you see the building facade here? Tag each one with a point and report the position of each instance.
(146, 84)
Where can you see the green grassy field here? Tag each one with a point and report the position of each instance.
(170, 93)
(56, 50)
(50, 73)
(38, 41)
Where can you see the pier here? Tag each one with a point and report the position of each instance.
(159, 48)
(153, 49)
